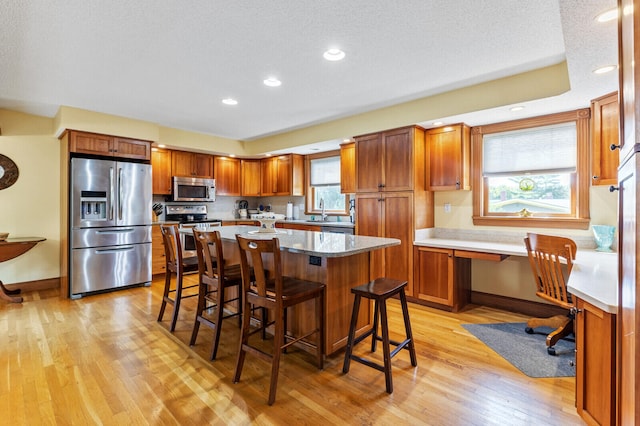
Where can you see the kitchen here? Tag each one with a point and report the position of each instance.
(18, 128)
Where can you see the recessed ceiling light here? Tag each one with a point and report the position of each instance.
(346, 140)
(229, 101)
(161, 145)
(516, 108)
(334, 55)
(437, 123)
(232, 155)
(605, 69)
(608, 15)
(272, 82)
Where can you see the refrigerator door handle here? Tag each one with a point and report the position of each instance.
(120, 194)
(116, 231)
(115, 250)
(111, 194)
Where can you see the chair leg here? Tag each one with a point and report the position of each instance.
(244, 339)
(275, 362)
(374, 336)
(564, 329)
(219, 315)
(352, 333)
(176, 304)
(385, 347)
(202, 290)
(407, 327)
(320, 328)
(165, 294)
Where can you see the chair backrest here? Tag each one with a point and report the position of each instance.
(205, 241)
(551, 260)
(259, 254)
(172, 246)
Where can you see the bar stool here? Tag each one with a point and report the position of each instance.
(379, 290)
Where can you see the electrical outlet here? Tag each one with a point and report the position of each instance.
(447, 207)
(315, 260)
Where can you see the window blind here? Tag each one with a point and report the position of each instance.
(325, 171)
(547, 149)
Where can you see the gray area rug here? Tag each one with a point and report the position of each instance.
(527, 352)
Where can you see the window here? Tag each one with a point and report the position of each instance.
(532, 172)
(323, 177)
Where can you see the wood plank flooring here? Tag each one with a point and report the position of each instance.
(104, 359)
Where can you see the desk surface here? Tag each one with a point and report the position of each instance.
(594, 277)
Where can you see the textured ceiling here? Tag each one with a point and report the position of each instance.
(172, 62)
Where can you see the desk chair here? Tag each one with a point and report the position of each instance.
(275, 293)
(178, 265)
(551, 260)
(215, 278)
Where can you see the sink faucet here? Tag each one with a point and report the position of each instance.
(323, 216)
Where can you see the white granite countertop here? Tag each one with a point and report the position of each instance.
(344, 224)
(594, 277)
(323, 244)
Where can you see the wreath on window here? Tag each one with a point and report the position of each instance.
(8, 172)
(527, 184)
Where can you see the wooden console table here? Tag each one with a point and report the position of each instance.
(9, 249)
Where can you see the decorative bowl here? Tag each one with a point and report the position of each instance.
(603, 234)
(268, 221)
(4, 236)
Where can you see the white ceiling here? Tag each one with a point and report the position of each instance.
(171, 62)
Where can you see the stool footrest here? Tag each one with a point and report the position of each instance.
(368, 363)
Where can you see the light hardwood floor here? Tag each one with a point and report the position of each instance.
(104, 359)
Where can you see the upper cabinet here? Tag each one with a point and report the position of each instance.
(161, 167)
(348, 168)
(390, 161)
(283, 175)
(605, 125)
(226, 172)
(112, 146)
(251, 180)
(191, 164)
(448, 156)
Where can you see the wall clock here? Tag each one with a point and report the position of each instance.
(8, 172)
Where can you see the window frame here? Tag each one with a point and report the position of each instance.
(310, 198)
(581, 179)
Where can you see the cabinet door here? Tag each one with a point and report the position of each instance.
(348, 168)
(158, 259)
(181, 163)
(369, 163)
(283, 175)
(131, 148)
(398, 223)
(161, 167)
(604, 133)
(269, 171)
(91, 143)
(397, 172)
(434, 275)
(448, 150)
(226, 172)
(369, 222)
(595, 364)
(202, 165)
(251, 178)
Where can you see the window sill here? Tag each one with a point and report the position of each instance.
(532, 222)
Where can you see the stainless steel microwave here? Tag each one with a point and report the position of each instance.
(193, 189)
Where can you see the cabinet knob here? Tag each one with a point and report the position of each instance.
(574, 311)
(614, 188)
(613, 147)
(596, 177)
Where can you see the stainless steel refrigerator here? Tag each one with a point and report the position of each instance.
(110, 214)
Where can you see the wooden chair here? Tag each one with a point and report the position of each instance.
(178, 265)
(215, 278)
(275, 293)
(551, 260)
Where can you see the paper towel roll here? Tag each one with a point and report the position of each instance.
(289, 214)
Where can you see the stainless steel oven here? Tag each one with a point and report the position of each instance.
(190, 216)
(187, 240)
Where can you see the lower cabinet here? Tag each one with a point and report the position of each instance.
(595, 364)
(440, 278)
(158, 262)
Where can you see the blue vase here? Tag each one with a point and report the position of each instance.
(603, 234)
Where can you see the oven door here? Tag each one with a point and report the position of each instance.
(188, 242)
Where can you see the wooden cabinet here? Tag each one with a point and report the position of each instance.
(226, 172)
(348, 168)
(388, 215)
(604, 133)
(595, 364)
(158, 260)
(283, 175)
(111, 146)
(441, 279)
(161, 167)
(299, 226)
(448, 157)
(390, 161)
(191, 164)
(251, 178)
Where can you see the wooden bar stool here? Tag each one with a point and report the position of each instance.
(379, 290)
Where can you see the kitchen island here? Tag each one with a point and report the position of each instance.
(339, 261)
